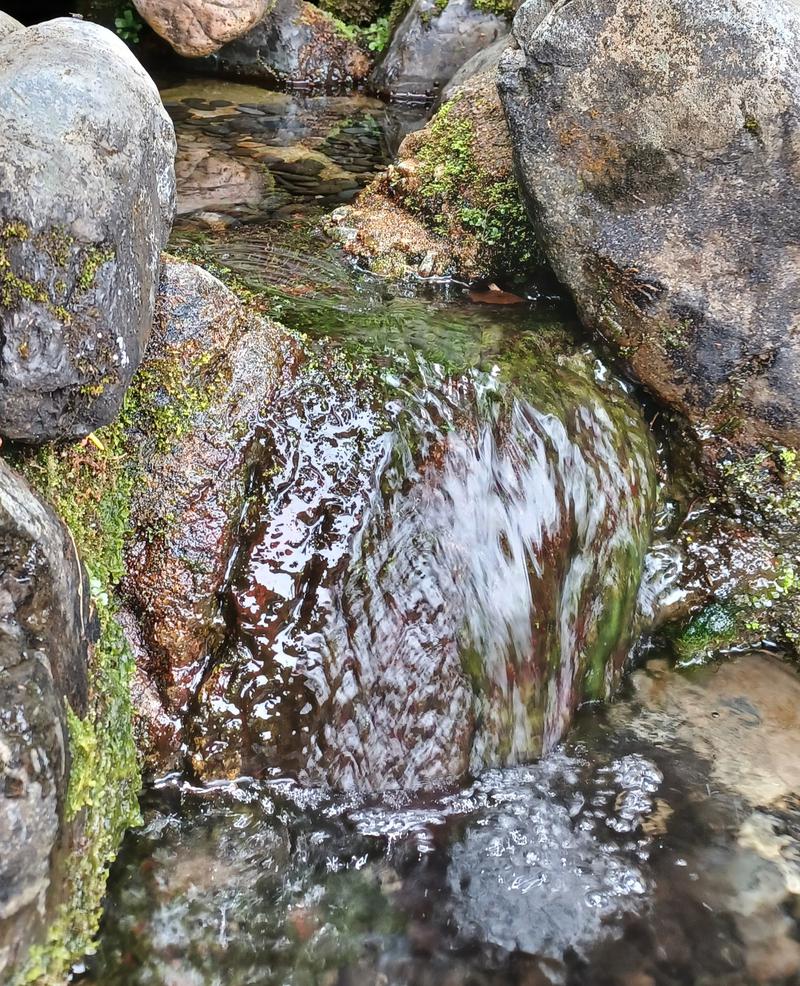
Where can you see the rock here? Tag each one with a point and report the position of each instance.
(43, 666)
(367, 645)
(433, 41)
(294, 43)
(658, 148)
(210, 178)
(86, 168)
(484, 61)
(8, 24)
(451, 205)
(201, 27)
(209, 370)
(740, 716)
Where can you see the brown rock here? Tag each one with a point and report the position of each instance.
(210, 368)
(200, 27)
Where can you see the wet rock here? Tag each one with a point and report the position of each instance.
(741, 718)
(86, 167)
(434, 40)
(370, 648)
(484, 61)
(201, 27)
(451, 205)
(8, 24)
(210, 368)
(43, 668)
(209, 178)
(738, 716)
(664, 189)
(294, 43)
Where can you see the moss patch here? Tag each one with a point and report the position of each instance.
(91, 486)
(73, 265)
(451, 205)
(458, 195)
(500, 8)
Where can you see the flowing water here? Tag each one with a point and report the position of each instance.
(439, 564)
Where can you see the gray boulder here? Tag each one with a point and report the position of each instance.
(8, 24)
(659, 150)
(43, 662)
(294, 43)
(486, 60)
(432, 43)
(87, 193)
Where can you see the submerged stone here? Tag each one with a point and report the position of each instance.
(641, 852)
(429, 583)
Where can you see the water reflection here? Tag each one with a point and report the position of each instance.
(618, 859)
(247, 154)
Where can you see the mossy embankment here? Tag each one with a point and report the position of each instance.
(92, 485)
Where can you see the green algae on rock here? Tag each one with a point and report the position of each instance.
(97, 487)
(90, 489)
(373, 655)
(451, 204)
(212, 368)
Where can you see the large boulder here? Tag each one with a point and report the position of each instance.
(294, 43)
(483, 62)
(210, 369)
(199, 27)
(43, 667)
(434, 40)
(8, 24)
(657, 142)
(87, 193)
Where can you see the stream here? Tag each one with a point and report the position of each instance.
(410, 775)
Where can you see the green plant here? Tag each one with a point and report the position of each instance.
(128, 26)
(376, 35)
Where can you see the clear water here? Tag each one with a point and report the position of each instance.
(620, 858)
(449, 555)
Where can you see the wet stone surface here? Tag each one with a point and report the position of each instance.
(621, 858)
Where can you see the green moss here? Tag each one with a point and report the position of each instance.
(457, 196)
(767, 484)
(501, 8)
(91, 486)
(358, 13)
(92, 260)
(70, 261)
(751, 125)
(710, 631)
(397, 12)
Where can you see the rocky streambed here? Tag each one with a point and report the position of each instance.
(354, 599)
